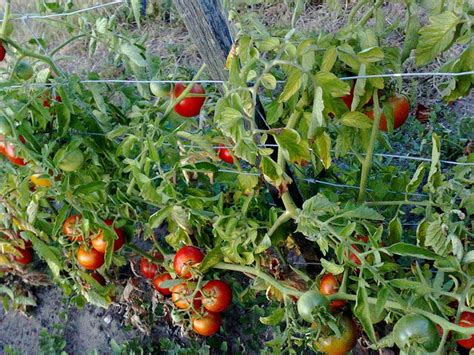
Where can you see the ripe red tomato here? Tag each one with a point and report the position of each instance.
(100, 244)
(208, 324)
(71, 228)
(185, 259)
(329, 286)
(8, 150)
(348, 99)
(467, 321)
(216, 296)
(189, 106)
(181, 295)
(89, 259)
(157, 282)
(26, 255)
(224, 154)
(401, 109)
(149, 268)
(99, 278)
(3, 52)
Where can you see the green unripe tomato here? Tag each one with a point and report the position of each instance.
(23, 71)
(416, 331)
(310, 301)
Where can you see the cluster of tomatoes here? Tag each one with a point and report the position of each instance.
(90, 255)
(204, 304)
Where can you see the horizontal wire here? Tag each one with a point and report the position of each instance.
(38, 16)
(124, 81)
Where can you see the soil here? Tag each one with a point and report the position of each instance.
(84, 330)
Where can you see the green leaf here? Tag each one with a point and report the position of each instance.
(395, 231)
(362, 310)
(356, 119)
(331, 84)
(371, 55)
(364, 212)
(212, 258)
(159, 217)
(268, 44)
(416, 180)
(382, 297)
(292, 85)
(322, 148)
(136, 8)
(47, 253)
(90, 188)
(294, 148)
(317, 119)
(435, 176)
(411, 36)
(64, 119)
(436, 37)
(406, 249)
(329, 59)
(264, 244)
(331, 267)
(275, 318)
(436, 237)
(133, 53)
(268, 81)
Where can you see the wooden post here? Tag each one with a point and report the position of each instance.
(210, 32)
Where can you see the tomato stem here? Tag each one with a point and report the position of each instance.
(6, 17)
(260, 274)
(370, 149)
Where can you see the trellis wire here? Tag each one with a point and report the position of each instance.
(38, 17)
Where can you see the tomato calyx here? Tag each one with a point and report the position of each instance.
(186, 260)
(312, 304)
(414, 331)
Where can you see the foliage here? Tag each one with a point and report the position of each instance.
(120, 153)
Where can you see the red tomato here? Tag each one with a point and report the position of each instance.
(181, 295)
(333, 345)
(8, 149)
(185, 259)
(189, 106)
(329, 286)
(71, 228)
(467, 321)
(208, 324)
(3, 52)
(157, 282)
(401, 110)
(26, 255)
(225, 155)
(47, 103)
(99, 278)
(149, 268)
(348, 99)
(89, 259)
(216, 296)
(100, 244)
(352, 255)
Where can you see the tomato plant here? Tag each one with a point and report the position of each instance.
(189, 106)
(310, 170)
(216, 296)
